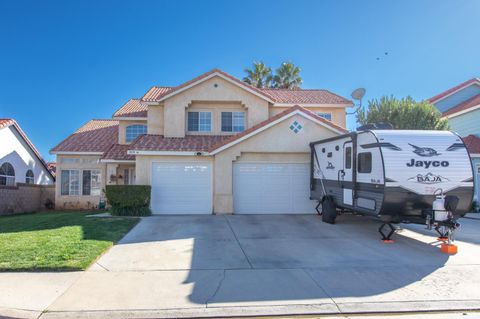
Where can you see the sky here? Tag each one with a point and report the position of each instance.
(63, 63)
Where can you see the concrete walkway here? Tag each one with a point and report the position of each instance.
(194, 266)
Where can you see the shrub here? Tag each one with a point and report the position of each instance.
(129, 200)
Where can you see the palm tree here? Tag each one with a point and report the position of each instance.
(260, 75)
(287, 76)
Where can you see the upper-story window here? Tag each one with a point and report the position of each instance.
(7, 174)
(233, 121)
(29, 177)
(199, 121)
(327, 116)
(133, 131)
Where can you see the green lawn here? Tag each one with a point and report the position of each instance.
(57, 240)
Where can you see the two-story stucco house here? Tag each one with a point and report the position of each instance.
(461, 106)
(213, 144)
(20, 162)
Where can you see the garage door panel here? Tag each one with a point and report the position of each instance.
(181, 188)
(269, 188)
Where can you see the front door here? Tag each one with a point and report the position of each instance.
(346, 174)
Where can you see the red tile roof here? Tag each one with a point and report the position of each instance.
(302, 96)
(454, 89)
(118, 152)
(465, 105)
(8, 122)
(472, 143)
(133, 108)
(95, 136)
(189, 143)
(209, 143)
(295, 96)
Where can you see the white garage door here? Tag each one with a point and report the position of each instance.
(269, 188)
(181, 188)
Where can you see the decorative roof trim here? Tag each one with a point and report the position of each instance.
(116, 161)
(473, 108)
(307, 105)
(176, 153)
(207, 77)
(119, 118)
(75, 153)
(453, 90)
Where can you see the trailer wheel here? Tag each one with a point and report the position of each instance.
(329, 210)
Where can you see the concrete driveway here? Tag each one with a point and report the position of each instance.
(174, 266)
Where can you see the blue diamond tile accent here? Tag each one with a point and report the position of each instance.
(296, 127)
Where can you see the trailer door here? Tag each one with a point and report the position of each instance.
(346, 176)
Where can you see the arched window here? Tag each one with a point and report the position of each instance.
(29, 178)
(7, 174)
(133, 131)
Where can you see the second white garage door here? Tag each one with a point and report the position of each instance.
(181, 188)
(268, 188)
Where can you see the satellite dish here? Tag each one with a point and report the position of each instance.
(358, 94)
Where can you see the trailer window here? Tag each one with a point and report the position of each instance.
(365, 162)
(348, 157)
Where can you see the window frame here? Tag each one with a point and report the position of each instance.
(29, 179)
(360, 157)
(199, 122)
(72, 191)
(94, 186)
(324, 114)
(232, 124)
(135, 133)
(348, 159)
(5, 169)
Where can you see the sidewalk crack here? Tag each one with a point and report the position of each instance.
(320, 286)
(238, 242)
(217, 289)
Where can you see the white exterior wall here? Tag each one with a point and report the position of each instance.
(16, 151)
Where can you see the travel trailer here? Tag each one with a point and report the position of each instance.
(422, 177)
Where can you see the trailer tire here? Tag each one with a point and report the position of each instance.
(329, 210)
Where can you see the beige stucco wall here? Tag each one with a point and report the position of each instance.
(276, 144)
(122, 125)
(155, 119)
(338, 113)
(77, 201)
(277, 139)
(215, 89)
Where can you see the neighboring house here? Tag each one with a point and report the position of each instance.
(213, 144)
(20, 162)
(461, 106)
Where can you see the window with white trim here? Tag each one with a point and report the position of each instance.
(325, 115)
(70, 182)
(199, 121)
(91, 182)
(233, 121)
(29, 177)
(129, 176)
(133, 131)
(7, 174)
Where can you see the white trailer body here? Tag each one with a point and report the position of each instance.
(392, 174)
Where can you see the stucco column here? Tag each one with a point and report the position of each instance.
(223, 181)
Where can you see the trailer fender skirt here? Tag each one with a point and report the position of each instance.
(448, 249)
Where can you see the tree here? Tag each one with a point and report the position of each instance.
(403, 114)
(260, 75)
(287, 76)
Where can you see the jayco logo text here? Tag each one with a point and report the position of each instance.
(427, 164)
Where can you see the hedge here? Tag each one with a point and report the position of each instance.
(129, 200)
